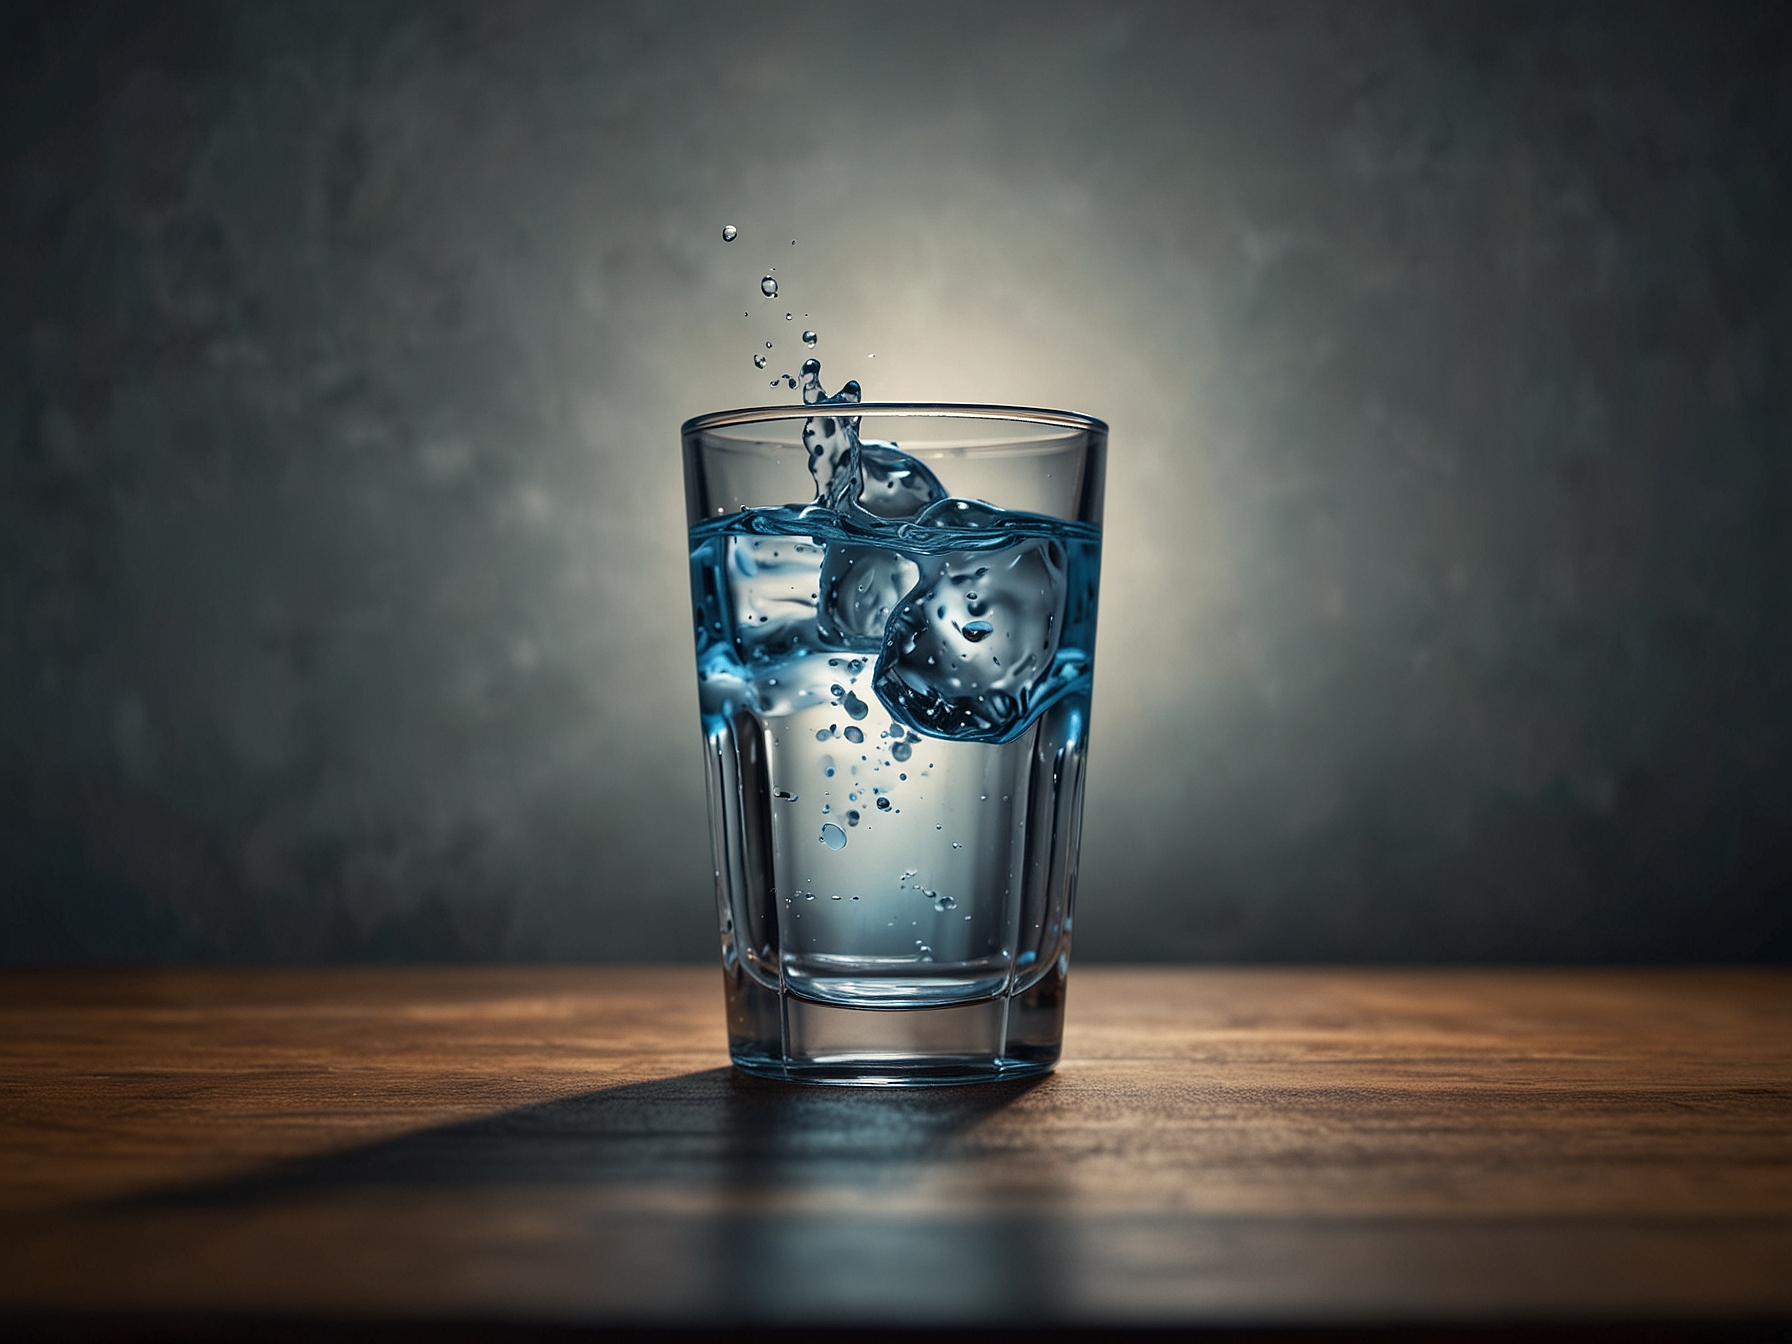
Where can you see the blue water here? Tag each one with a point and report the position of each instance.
(874, 667)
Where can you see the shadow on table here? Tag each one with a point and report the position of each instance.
(700, 1198)
(695, 1132)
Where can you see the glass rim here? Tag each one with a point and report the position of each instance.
(1030, 415)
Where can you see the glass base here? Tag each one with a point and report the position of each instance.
(779, 1035)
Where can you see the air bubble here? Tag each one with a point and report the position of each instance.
(832, 836)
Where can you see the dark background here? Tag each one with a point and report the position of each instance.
(1446, 349)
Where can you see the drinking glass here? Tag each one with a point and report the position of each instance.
(895, 625)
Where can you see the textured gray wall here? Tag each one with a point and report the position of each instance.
(1446, 349)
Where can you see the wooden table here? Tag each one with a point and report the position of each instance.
(548, 1147)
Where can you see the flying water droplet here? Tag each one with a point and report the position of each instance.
(901, 750)
(852, 819)
(787, 317)
(729, 233)
(853, 734)
(832, 836)
(759, 361)
(769, 287)
(944, 903)
(883, 804)
(809, 339)
(768, 345)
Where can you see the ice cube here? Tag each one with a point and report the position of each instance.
(965, 652)
(773, 581)
(860, 587)
(892, 484)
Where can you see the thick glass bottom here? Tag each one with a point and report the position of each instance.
(783, 1036)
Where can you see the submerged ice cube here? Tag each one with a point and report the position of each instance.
(860, 588)
(964, 653)
(773, 584)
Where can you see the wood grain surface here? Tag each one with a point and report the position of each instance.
(1219, 1146)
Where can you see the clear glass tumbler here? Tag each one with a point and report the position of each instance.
(895, 627)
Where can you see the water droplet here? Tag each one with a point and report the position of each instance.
(852, 818)
(976, 631)
(759, 361)
(769, 287)
(832, 836)
(811, 366)
(883, 804)
(729, 233)
(853, 733)
(768, 345)
(809, 339)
